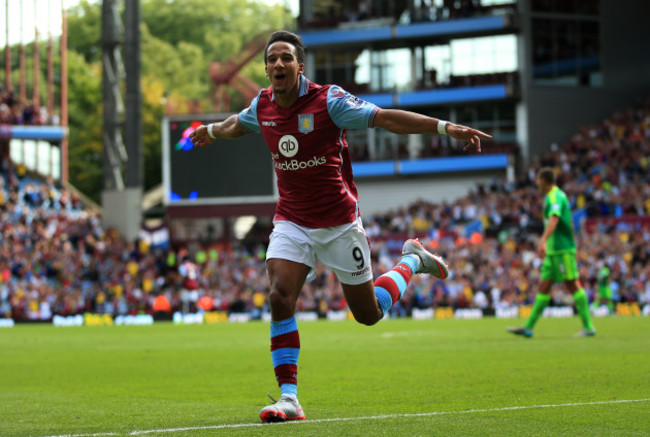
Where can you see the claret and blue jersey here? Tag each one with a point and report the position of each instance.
(309, 151)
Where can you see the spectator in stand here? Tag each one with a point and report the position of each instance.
(13, 111)
(189, 277)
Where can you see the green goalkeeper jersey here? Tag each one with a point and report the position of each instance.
(603, 277)
(561, 240)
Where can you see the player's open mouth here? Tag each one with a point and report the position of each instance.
(280, 76)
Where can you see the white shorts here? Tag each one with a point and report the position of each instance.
(344, 249)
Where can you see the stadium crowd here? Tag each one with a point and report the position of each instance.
(15, 111)
(55, 257)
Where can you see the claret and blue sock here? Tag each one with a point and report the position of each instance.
(390, 286)
(285, 348)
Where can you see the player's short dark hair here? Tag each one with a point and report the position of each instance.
(547, 174)
(291, 38)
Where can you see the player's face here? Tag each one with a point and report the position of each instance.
(282, 67)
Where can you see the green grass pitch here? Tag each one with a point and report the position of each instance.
(400, 377)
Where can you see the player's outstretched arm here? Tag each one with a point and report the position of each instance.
(406, 122)
(229, 128)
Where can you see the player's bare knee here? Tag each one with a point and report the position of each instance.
(367, 319)
(276, 298)
(280, 298)
(370, 322)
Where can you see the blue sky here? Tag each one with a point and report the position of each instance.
(46, 13)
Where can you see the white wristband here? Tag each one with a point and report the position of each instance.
(210, 134)
(442, 127)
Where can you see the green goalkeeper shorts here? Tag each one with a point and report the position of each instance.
(604, 292)
(560, 267)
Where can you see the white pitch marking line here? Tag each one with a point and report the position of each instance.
(349, 419)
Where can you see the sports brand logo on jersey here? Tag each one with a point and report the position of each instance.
(361, 272)
(288, 146)
(305, 123)
(354, 102)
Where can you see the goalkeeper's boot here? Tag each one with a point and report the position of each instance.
(429, 263)
(521, 331)
(287, 408)
(584, 332)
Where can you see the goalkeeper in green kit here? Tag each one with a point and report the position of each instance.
(604, 289)
(558, 247)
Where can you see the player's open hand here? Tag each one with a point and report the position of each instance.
(472, 136)
(200, 136)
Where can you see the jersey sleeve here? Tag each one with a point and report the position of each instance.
(603, 274)
(554, 205)
(348, 111)
(248, 116)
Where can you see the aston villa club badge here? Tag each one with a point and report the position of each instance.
(305, 123)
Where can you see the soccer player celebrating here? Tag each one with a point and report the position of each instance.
(558, 247)
(317, 214)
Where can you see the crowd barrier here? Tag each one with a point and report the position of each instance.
(212, 317)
